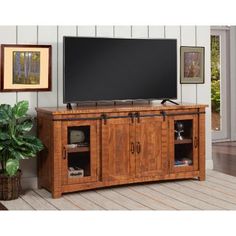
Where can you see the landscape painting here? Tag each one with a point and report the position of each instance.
(26, 67)
(192, 62)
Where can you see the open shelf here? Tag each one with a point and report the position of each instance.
(80, 161)
(183, 148)
(184, 141)
(77, 149)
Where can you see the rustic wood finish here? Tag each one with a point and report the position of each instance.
(128, 144)
(118, 162)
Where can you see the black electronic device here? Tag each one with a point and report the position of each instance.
(98, 69)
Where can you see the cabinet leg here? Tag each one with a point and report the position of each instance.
(202, 176)
(56, 194)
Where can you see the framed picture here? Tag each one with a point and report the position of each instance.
(25, 68)
(192, 65)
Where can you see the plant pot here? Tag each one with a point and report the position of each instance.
(10, 187)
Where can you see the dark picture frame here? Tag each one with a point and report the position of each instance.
(25, 67)
(192, 65)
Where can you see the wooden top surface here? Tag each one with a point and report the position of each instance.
(117, 108)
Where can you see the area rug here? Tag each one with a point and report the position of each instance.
(2, 208)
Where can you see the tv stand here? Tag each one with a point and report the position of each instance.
(120, 145)
(168, 100)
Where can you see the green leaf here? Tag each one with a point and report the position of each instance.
(18, 140)
(25, 126)
(20, 109)
(17, 154)
(4, 136)
(33, 143)
(5, 113)
(12, 166)
(15, 143)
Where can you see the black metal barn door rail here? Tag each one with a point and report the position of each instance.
(131, 115)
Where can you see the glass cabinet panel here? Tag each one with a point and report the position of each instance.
(78, 152)
(183, 142)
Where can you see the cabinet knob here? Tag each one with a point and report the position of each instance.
(64, 156)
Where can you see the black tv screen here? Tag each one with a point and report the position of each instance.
(119, 69)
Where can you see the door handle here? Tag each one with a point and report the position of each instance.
(132, 147)
(64, 153)
(138, 147)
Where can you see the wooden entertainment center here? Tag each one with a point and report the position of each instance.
(98, 146)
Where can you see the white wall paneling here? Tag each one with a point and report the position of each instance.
(48, 35)
(104, 31)
(62, 31)
(204, 90)
(188, 39)
(28, 35)
(173, 32)
(139, 31)
(185, 35)
(156, 31)
(8, 35)
(86, 30)
(122, 31)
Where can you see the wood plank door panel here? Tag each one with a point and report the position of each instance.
(190, 142)
(151, 146)
(118, 157)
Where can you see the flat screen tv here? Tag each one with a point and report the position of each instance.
(97, 69)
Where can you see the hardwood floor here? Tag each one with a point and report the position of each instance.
(218, 192)
(224, 157)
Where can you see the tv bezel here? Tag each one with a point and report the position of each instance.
(118, 100)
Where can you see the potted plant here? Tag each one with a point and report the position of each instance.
(15, 144)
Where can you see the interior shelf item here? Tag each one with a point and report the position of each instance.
(75, 172)
(183, 162)
(184, 141)
(183, 130)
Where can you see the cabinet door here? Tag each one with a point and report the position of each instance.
(183, 143)
(80, 151)
(151, 146)
(118, 157)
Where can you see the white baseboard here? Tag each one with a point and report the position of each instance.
(209, 164)
(29, 183)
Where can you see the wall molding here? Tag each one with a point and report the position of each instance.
(209, 164)
(29, 183)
